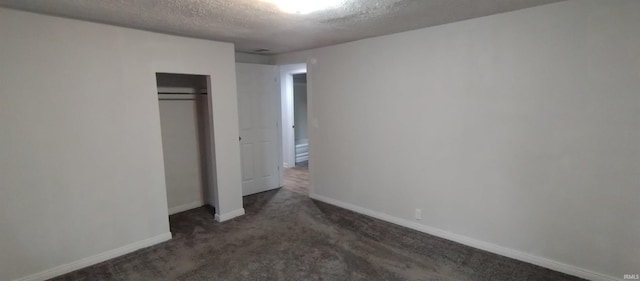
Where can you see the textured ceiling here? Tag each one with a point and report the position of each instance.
(255, 24)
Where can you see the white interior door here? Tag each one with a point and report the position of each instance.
(258, 116)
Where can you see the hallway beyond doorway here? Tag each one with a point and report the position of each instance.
(297, 179)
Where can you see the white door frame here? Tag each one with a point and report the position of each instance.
(286, 99)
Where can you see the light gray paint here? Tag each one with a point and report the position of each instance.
(81, 164)
(253, 24)
(521, 130)
(182, 156)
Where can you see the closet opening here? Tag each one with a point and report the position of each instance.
(187, 144)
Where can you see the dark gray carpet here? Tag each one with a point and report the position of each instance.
(287, 236)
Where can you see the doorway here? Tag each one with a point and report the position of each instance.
(300, 128)
(183, 106)
(295, 147)
(295, 129)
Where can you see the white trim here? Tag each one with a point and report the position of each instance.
(89, 261)
(486, 246)
(185, 207)
(229, 215)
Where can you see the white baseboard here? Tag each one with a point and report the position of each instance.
(489, 247)
(229, 215)
(89, 261)
(185, 207)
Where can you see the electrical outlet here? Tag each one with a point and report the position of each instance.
(418, 214)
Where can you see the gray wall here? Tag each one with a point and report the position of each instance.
(182, 154)
(519, 132)
(81, 166)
